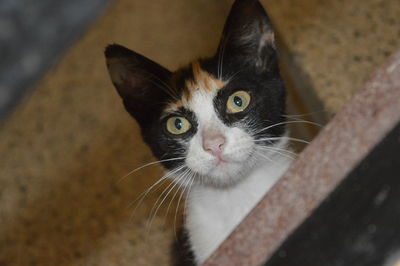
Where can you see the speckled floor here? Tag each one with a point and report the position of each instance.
(337, 44)
(65, 148)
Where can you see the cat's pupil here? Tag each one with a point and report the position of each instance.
(178, 124)
(238, 101)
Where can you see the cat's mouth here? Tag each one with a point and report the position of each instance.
(225, 159)
(227, 170)
(228, 165)
(220, 160)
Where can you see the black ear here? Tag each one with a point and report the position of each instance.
(141, 83)
(248, 38)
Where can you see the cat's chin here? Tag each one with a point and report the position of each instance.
(227, 173)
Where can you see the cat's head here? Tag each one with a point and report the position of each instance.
(215, 114)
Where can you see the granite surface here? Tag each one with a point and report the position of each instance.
(341, 145)
(333, 46)
(66, 146)
(33, 34)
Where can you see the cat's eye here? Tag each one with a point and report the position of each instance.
(178, 125)
(238, 102)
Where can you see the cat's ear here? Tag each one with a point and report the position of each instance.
(248, 37)
(141, 83)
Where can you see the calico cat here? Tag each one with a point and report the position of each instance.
(217, 124)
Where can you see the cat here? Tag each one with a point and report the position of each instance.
(217, 125)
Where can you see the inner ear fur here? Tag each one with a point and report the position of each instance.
(141, 83)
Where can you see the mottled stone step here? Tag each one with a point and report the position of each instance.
(331, 47)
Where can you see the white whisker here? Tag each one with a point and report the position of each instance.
(174, 183)
(176, 192)
(190, 180)
(141, 197)
(233, 75)
(149, 164)
(221, 58)
(265, 157)
(187, 194)
(286, 122)
(277, 163)
(305, 114)
(283, 137)
(279, 151)
(307, 121)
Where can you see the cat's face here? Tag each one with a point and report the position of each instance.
(211, 117)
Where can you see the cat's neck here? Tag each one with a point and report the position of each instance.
(212, 213)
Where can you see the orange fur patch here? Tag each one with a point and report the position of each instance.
(202, 81)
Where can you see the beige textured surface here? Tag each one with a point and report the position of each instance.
(66, 146)
(337, 44)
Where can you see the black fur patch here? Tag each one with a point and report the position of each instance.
(182, 254)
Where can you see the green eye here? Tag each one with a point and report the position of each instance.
(238, 102)
(178, 125)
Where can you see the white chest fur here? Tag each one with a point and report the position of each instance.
(213, 213)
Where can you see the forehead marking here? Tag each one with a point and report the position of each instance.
(202, 81)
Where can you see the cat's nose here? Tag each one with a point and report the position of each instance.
(214, 145)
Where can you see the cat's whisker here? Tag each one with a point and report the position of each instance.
(233, 75)
(278, 149)
(148, 164)
(182, 183)
(174, 184)
(219, 62)
(284, 137)
(284, 155)
(305, 114)
(303, 120)
(221, 57)
(141, 197)
(176, 192)
(269, 159)
(165, 190)
(158, 182)
(282, 152)
(285, 123)
(265, 156)
(190, 180)
(222, 60)
(189, 190)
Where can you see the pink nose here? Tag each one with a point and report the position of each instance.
(214, 144)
